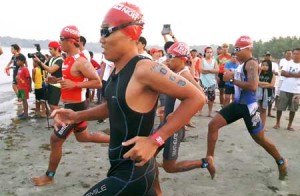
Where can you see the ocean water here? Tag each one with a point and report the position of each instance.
(8, 108)
(6, 56)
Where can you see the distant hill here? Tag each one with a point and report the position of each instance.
(95, 47)
(28, 43)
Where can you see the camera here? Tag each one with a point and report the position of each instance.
(38, 54)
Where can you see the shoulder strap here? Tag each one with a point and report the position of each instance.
(244, 66)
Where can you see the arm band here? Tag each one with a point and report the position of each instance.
(158, 139)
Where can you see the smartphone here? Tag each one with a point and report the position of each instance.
(166, 29)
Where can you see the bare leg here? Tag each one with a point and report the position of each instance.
(25, 107)
(55, 156)
(278, 116)
(210, 106)
(213, 133)
(272, 150)
(221, 96)
(15, 88)
(86, 136)
(263, 116)
(227, 99)
(291, 118)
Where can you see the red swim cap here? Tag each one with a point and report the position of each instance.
(179, 49)
(243, 41)
(70, 32)
(54, 44)
(122, 13)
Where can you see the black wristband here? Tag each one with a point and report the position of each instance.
(173, 37)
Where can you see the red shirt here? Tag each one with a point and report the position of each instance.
(95, 64)
(23, 78)
(222, 60)
(74, 94)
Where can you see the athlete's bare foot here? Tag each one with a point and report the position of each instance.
(276, 126)
(42, 180)
(282, 170)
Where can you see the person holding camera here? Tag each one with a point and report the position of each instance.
(54, 69)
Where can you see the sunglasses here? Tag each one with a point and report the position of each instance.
(106, 31)
(238, 49)
(170, 56)
(64, 38)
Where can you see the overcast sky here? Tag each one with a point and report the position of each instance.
(192, 21)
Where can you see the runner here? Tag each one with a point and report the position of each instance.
(176, 58)
(245, 105)
(132, 92)
(76, 69)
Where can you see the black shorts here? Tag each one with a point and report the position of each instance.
(53, 95)
(65, 131)
(229, 90)
(221, 83)
(127, 180)
(171, 147)
(39, 94)
(162, 99)
(235, 111)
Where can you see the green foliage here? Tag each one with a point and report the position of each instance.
(276, 46)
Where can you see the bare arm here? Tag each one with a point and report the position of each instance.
(85, 68)
(290, 74)
(66, 116)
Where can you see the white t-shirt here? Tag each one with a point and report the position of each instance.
(289, 84)
(87, 54)
(282, 63)
(146, 55)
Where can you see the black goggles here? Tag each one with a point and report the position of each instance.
(170, 56)
(106, 31)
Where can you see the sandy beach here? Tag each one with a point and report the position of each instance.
(243, 167)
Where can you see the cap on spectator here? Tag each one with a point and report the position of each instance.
(54, 44)
(268, 53)
(153, 50)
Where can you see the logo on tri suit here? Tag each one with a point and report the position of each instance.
(255, 119)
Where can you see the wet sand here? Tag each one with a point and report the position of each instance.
(243, 167)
